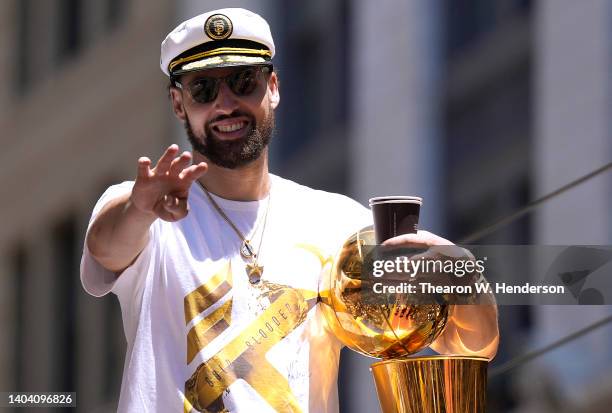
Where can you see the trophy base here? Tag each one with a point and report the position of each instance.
(432, 384)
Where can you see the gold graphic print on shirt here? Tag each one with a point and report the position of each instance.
(244, 356)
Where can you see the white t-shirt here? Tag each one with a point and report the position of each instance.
(200, 337)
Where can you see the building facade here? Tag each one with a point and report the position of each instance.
(478, 106)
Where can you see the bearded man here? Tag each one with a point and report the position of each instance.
(216, 262)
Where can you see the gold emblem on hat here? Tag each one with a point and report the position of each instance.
(218, 27)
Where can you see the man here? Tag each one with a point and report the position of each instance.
(217, 263)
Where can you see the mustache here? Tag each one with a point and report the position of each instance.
(234, 114)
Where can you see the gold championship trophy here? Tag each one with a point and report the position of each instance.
(398, 328)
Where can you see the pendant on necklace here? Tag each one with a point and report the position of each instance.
(246, 250)
(254, 272)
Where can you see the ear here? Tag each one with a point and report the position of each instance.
(176, 96)
(273, 90)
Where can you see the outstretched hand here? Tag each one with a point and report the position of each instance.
(163, 190)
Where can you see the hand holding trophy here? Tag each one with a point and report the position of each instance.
(395, 328)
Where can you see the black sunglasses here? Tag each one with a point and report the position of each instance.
(241, 82)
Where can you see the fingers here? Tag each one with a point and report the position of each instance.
(194, 172)
(422, 239)
(165, 187)
(180, 163)
(163, 164)
(173, 208)
(407, 240)
(143, 167)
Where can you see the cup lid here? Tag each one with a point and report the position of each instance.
(396, 199)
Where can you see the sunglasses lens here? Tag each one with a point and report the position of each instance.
(204, 90)
(243, 82)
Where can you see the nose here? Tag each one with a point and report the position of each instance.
(226, 101)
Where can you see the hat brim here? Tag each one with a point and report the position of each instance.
(221, 61)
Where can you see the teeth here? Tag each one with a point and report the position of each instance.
(231, 128)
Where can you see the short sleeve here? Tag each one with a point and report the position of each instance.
(354, 216)
(97, 280)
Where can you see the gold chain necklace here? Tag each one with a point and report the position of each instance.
(253, 269)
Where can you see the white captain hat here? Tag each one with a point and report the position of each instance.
(224, 37)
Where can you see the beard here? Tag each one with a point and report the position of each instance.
(234, 153)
